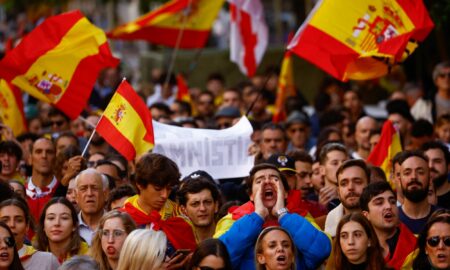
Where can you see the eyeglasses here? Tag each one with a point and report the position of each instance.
(91, 164)
(443, 75)
(210, 268)
(9, 241)
(115, 233)
(435, 240)
(57, 123)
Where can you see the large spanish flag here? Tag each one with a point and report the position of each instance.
(59, 61)
(361, 39)
(163, 25)
(126, 123)
(11, 108)
(286, 88)
(388, 146)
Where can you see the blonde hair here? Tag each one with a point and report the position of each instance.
(259, 247)
(143, 248)
(96, 251)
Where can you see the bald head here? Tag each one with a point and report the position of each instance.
(363, 127)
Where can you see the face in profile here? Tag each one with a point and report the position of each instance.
(113, 236)
(276, 251)
(438, 245)
(354, 242)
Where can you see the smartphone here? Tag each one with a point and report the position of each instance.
(185, 252)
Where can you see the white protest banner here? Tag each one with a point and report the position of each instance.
(221, 153)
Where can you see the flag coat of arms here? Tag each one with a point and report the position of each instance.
(363, 39)
(248, 34)
(163, 25)
(11, 108)
(59, 61)
(126, 123)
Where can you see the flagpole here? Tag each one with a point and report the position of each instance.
(88, 142)
(177, 46)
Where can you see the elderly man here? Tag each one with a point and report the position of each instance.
(239, 230)
(441, 78)
(91, 193)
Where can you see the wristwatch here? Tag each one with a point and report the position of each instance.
(281, 212)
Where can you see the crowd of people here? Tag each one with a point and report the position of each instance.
(311, 200)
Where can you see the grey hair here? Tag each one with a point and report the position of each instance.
(92, 171)
(79, 263)
(438, 68)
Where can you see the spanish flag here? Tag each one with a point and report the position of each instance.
(362, 39)
(163, 25)
(59, 61)
(388, 146)
(286, 88)
(126, 123)
(183, 89)
(11, 108)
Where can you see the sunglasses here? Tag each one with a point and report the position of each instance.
(443, 75)
(209, 268)
(435, 240)
(9, 241)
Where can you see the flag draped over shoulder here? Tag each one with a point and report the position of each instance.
(361, 39)
(248, 34)
(388, 146)
(59, 61)
(126, 123)
(286, 88)
(163, 25)
(11, 108)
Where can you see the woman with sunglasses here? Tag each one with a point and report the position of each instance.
(108, 240)
(16, 214)
(58, 230)
(211, 254)
(434, 244)
(9, 258)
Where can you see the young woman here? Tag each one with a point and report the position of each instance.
(210, 253)
(434, 244)
(143, 248)
(58, 230)
(16, 214)
(9, 259)
(356, 245)
(275, 249)
(107, 243)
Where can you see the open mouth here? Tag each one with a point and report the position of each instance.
(269, 194)
(281, 259)
(4, 255)
(388, 216)
(441, 257)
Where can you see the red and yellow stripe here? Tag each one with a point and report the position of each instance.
(11, 108)
(388, 146)
(126, 123)
(163, 25)
(59, 61)
(286, 88)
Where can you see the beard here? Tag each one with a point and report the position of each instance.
(439, 180)
(415, 195)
